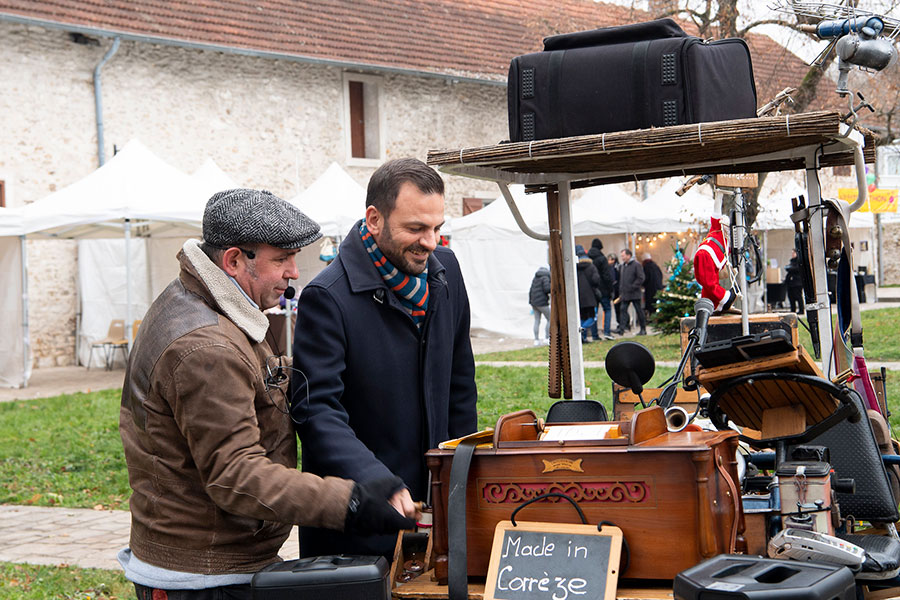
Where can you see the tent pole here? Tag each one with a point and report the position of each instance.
(570, 280)
(26, 338)
(879, 233)
(739, 235)
(817, 253)
(765, 278)
(129, 334)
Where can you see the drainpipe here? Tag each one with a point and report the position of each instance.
(98, 98)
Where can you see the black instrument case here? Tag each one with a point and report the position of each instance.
(630, 77)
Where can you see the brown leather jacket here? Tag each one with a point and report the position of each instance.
(211, 451)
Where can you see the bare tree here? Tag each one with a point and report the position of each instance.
(724, 18)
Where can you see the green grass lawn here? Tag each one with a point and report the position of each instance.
(38, 582)
(66, 451)
(505, 389)
(881, 333)
(63, 451)
(663, 347)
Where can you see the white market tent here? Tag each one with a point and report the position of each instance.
(498, 261)
(151, 257)
(14, 366)
(213, 179)
(334, 200)
(134, 194)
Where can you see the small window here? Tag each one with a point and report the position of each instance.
(471, 205)
(842, 171)
(888, 167)
(477, 200)
(362, 109)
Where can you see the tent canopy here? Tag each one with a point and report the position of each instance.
(334, 200)
(212, 178)
(134, 185)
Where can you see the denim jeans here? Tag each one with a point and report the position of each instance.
(607, 314)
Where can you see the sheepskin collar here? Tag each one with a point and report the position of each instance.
(227, 296)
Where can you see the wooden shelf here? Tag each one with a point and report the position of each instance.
(743, 145)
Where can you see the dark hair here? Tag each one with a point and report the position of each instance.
(216, 253)
(213, 252)
(627, 251)
(388, 178)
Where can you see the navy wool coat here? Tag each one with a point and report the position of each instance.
(380, 392)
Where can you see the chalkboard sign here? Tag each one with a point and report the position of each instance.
(553, 561)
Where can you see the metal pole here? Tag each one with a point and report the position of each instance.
(288, 313)
(26, 336)
(879, 233)
(822, 304)
(570, 279)
(741, 266)
(765, 273)
(511, 203)
(129, 334)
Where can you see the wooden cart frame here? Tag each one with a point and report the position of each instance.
(807, 141)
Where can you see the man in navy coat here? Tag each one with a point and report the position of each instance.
(383, 361)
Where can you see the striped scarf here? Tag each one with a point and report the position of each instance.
(411, 290)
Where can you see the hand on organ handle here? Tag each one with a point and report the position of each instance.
(403, 504)
(371, 511)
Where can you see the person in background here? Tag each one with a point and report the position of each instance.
(588, 292)
(794, 283)
(539, 298)
(653, 283)
(631, 278)
(623, 322)
(607, 281)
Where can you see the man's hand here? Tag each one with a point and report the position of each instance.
(403, 504)
(370, 510)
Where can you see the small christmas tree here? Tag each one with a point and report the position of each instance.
(678, 297)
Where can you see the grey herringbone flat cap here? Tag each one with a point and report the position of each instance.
(243, 216)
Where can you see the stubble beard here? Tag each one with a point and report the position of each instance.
(394, 254)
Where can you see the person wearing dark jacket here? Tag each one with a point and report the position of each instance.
(607, 281)
(794, 283)
(383, 361)
(539, 298)
(631, 278)
(653, 282)
(622, 320)
(588, 291)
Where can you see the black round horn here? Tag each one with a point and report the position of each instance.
(630, 364)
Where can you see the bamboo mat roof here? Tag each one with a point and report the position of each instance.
(739, 146)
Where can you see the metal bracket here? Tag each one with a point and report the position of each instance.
(504, 189)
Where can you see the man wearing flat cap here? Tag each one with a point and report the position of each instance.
(210, 448)
(383, 342)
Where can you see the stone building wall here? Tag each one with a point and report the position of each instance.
(273, 124)
(891, 253)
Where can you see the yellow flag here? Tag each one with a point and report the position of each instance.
(880, 201)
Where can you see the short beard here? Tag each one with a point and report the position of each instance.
(395, 254)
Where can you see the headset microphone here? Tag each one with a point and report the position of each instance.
(289, 292)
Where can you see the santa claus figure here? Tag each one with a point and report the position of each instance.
(709, 259)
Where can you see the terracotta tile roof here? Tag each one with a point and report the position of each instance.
(465, 38)
(452, 37)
